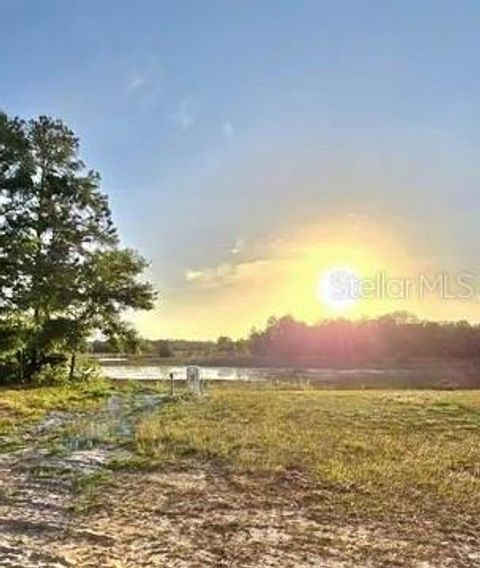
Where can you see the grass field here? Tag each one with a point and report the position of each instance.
(248, 476)
(378, 449)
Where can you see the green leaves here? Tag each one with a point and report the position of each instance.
(60, 262)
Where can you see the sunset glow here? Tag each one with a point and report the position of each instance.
(256, 179)
(337, 287)
(240, 283)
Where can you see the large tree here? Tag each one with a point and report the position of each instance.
(63, 275)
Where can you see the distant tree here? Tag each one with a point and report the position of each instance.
(62, 272)
(225, 345)
(163, 348)
(97, 346)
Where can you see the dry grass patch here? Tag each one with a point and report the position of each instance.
(378, 448)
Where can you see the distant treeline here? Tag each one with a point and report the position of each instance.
(163, 348)
(399, 337)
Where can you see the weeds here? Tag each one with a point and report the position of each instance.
(87, 489)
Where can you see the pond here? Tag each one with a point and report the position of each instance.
(210, 373)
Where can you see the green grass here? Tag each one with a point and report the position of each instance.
(379, 449)
(19, 406)
(397, 450)
(87, 491)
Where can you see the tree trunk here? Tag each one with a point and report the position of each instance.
(22, 365)
(72, 366)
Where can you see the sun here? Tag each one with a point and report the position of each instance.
(338, 288)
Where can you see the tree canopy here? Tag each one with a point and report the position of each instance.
(398, 337)
(63, 273)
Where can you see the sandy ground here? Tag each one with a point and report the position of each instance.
(201, 516)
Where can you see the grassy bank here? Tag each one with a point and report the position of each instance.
(373, 449)
(20, 406)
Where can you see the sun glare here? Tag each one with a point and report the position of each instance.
(338, 288)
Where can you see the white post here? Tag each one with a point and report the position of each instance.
(193, 379)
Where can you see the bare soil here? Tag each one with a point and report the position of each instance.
(201, 515)
(207, 518)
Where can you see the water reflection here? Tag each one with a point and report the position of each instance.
(162, 372)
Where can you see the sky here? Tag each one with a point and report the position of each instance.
(251, 147)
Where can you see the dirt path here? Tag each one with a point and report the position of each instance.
(200, 516)
(41, 483)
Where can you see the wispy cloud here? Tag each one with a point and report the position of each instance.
(184, 117)
(143, 80)
(228, 129)
(136, 83)
(212, 276)
(238, 247)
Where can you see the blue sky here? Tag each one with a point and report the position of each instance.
(220, 127)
